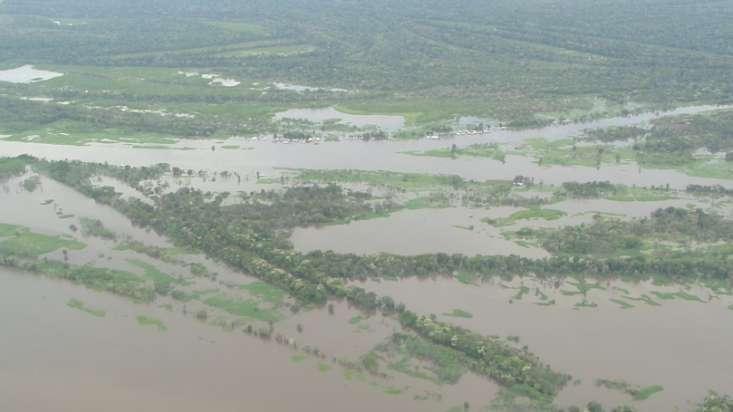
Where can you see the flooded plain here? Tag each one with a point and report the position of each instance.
(267, 157)
(52, 353)
(682, 345)
(416, 232)
(608, 330)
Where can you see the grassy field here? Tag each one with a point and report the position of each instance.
(527, 214)
(20, 241)
(244, 308)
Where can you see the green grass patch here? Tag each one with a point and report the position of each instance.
(527, 214)
(467, 278)
(643, 298)
(10, 167)
(459, 313)
(147, 321)
(323, 367)
(638, 393)
(485, 150)
(268, 293)
(20, 241)
(523, 290)
(677, 295)
(298, 358)
(245, 308)
(416, 357)
(621, 303)
(406, 181)
(647, 392)
(81, 306)
(162, 281)
(391, 390)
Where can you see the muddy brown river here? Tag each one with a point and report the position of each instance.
(55, 358)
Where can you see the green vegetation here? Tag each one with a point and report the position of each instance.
(571, 153)
(571, 63)
(623, 304)
(433, 201)
(534, 213)
(115, 281)
(715, 402)
(674, 143)
(298, 358)
(245, 308)
(11, 166)
(81, 306)
(421, 359)
(458, 313)
(95, 227)
(143, 320)
(163, 282)
(606, 190)
(396, 180)
(268, 293)
(605, 237)
(638, 393)
(31, 184)
(487, 150)
(677, 295)
(467, 278)
(23, 242)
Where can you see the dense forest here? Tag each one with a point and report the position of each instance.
(542, 60)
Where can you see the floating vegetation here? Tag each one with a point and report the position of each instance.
(643, 298)
(246, 308)
(677, 295)
(458, 313)
(638, 393)
(81, 306)
(95, 227)
(20, 241)
(147, 321)
(621, 303)
(585, 304)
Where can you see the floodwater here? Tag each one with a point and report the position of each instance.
(415, 232)
(81, 363)
(20, 207)
(389, 124)
(681, 345)
(27, 74)
(267, 156)
(59, 359)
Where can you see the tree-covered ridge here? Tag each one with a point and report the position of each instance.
(233, 235)
(620, 237)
